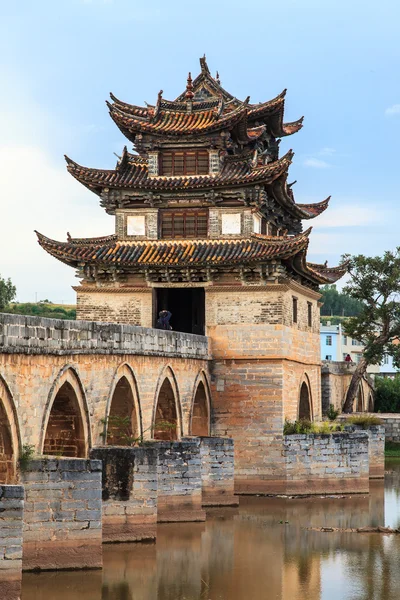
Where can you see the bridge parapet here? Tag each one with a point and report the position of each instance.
(36, 335)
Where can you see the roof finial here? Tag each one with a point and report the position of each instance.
(189, 88)
(204, 66)
(217, 79)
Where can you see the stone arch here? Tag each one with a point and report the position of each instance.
(10, 441)
(200, 413)
(123, 402)
(167, 408)
(66, 425)
(371, 402)
(305, 402)
(359, 399)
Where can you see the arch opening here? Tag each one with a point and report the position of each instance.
(122, 423)
(65, 434)
(7, 456)
(166, 418)
(359, 400)
(304, 404)
(200, 416)
(371, 403)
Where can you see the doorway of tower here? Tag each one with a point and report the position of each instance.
(186, 305)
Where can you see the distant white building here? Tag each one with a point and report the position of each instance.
(336, 345)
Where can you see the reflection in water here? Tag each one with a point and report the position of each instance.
(257, 552)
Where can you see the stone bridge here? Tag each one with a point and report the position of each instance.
(63, 382)
(335, 380)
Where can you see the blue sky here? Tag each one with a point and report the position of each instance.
(60, 59)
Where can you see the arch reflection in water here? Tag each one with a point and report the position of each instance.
(248, 553)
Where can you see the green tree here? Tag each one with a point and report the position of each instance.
(7, 292)
(387, 394)
(375, 283)
(337, 303)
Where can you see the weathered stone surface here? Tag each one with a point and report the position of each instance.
(37, 335)
(11, 522)
(217, 471)
(179, 481)
(129, 493)
(62, 521)
(376, 446)
(334, 463)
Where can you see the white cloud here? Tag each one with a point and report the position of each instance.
(393, 110)
(327, 151)
(347, 214)
(316, 163)
(38, 195)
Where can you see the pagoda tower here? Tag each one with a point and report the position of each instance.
(206, 226)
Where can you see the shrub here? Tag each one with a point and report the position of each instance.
(332, 413)
(26, 455)
(304, 426)
(363, 420)
(387, 395)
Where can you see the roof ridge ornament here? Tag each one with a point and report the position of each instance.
(204, 67)
(158, 103)
(217, 79)
(189, 87)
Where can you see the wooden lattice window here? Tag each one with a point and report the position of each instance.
(189, 223)
(184, 162)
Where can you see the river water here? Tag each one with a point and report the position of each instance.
(260, 551)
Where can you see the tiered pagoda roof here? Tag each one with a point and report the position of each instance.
(246, 170)
(109, 252)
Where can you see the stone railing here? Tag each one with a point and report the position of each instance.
(338, 367)
(35, 335)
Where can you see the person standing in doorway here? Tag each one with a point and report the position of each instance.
(163, 320)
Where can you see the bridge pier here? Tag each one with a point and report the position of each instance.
(62, 518)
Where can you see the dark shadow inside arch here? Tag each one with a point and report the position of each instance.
(65, 433)
(200, 416)
(304, 405)
(371, 403)
(359, 400)
(166, 419)
(122, 426)
(7, 462)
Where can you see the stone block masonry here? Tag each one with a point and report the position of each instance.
(376, 434)
(62, 520)
(336, 463)
(36, 335)
(129, 493)
(11, 520)
(179, 481)
(217, 471)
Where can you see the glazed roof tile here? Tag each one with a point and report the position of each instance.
(181, 252)
(109, 252)
(211, 108)
(168, 122)
(132, 173)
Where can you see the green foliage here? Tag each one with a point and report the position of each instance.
(42, 309)
(119, 429)
(387, 394)
(375, 283)
(7, 292)
(337, 303)
(306, 426)
(363, 420)
(392, 449)
(332, 413)
(26, 454)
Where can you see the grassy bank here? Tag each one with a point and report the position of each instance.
(42, 309)
(392, 449)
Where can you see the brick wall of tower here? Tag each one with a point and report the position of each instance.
(133, 307)
(260, 360)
